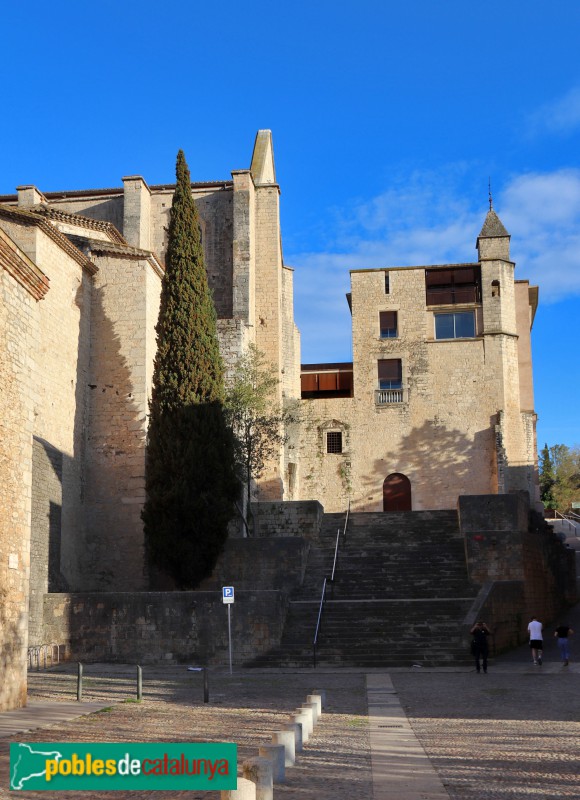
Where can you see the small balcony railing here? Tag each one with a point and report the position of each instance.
(387, 396)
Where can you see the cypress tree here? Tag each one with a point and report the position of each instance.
(191, 482)
(547, 478)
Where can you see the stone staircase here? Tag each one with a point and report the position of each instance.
(399, 597)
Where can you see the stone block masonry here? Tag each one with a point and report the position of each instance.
(276, 563)
(522, 567)
(45, 545)
(19, 338)
(170, 627)
(298, 518)
(124, 314)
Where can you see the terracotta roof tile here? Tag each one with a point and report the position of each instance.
(22, 269)
(25, 217)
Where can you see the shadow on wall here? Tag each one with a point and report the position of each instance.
(45, 532)
(113, 476)
(440, 462)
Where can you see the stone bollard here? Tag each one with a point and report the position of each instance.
(306, 721)
(296, 729)
(259, 771)
(315, 698)
(314, 708)
(288, 740)
(322, 694)
(246, 791)
(276, 753)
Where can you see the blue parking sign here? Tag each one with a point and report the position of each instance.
(228, 594)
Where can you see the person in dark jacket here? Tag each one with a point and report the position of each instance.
(479, 646)
(562, 633)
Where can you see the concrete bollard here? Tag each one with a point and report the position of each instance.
(296, 728)
(288, 740)
(276, 753)
(310, 717)
(315, 698)
(322, 694)
(314, 708)
(259, 771)
(246, 791)
(306, 721)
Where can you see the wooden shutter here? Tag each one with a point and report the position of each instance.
(390, 369)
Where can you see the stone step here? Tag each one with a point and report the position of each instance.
(400, 594)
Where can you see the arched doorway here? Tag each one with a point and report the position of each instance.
(397, 493)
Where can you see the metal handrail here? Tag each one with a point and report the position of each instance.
(326, 581)
(338, 540)
(335, 555)
(566, 518)
(346, 520)
(322, 599)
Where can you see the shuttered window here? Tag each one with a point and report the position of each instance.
(451, 286)
(390, 373)
(388, 324)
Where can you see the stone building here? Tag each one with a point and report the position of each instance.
(80, 279)
(438, 401)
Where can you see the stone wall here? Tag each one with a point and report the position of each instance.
(493, 527)
(125, 310)
(45, 540)
(277, 563)
(268, 311)
(171, 627)
(300, 518)
(522, 566)
(500, 605)
(18, 335)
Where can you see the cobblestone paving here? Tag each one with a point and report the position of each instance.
(498, 736)
(514, 733)
(245, 708)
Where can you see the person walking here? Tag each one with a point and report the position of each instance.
(479, 646)
(535, 629)
(563, 632)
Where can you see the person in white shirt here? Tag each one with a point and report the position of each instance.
(536, 640)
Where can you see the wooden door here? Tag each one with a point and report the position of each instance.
(397, 493)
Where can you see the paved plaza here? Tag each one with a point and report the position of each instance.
(405, 734)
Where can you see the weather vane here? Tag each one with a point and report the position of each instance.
(489, 192)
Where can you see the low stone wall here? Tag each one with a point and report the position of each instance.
(522, 566)
(277, 563)
(493, 527)
(175, 627)
(500, 604)
(292, 518)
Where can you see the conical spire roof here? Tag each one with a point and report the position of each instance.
(493, 227)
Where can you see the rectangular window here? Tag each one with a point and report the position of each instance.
(387, 284)
(456, 325)
(446, 287)
(390, 373)
(388, 324)
(334, 442)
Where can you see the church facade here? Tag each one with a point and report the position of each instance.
(437, 402)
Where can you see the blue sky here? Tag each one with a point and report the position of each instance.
(388, 119)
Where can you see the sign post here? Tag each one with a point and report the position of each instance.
(228, 599)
